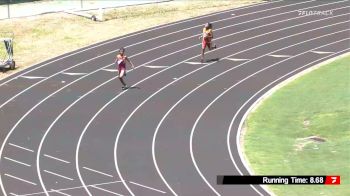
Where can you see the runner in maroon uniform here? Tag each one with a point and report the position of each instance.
(206, 37)
(120, 61)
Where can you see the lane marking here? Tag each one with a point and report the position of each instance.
(57, 159)
(110, 70)
(195, 63)
(147, 187)
(279, 55)
(73, 74)
(172, 66)
(97, 172)
(71, 188)
(155, 67)
(135, 34)
(218, 97)
(14, 194)
(50, 172)
(246, 114)
(56, 191)
(120, 130)
(19, 162)
(27, 149)
(234, 59)
(178, 40)
(102, 189)
(20, 179)
(184, 39)
(321, 52)
(194, 126)
(33, 77)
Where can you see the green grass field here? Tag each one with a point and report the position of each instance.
(316, 104)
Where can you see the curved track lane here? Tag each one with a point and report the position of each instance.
(67, 129)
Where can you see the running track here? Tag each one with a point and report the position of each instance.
(66, 128)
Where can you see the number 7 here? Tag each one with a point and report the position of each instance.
(334, 179)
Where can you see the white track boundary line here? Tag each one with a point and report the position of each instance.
(19, 162)
(211, 103)
(57, 159)
(110, 80)
(125, 47)
(55, 174)
(38, 164)
(20, 179)
(147, 187)
(98, 172)
(245, 163)
(51, 95)
(197, 120)
(192, 58)
(122, 127)
(131, 35)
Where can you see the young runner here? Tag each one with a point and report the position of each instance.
(120, 61)
(207, 37)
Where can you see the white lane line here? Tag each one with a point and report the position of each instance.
(211, 103)
(177, 41)
(36, 105)
(98, 172)
(57, 191)
(19, 162)
(279, 55)
(71, 188)
(195, 63)
(50, 172)
(122, 127)
(20, 179)
(193, 128)
(14, 194)
(0, 178)
(321, 52)
(110, 70)
(102, 189)
(135, 34)
(77, 163)
(147, 187)
(173, 42)
(57, 159)
(73, 74)
(115, 51)
(246, 114)
(38, 166)
(32, 77)
(21, 147)
(237, 60)
(155, 67)
(80, 138)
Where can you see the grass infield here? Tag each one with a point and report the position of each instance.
(304, 129)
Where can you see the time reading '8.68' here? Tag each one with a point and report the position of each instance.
(317, 180)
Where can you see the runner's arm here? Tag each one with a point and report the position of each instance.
(132, 65)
